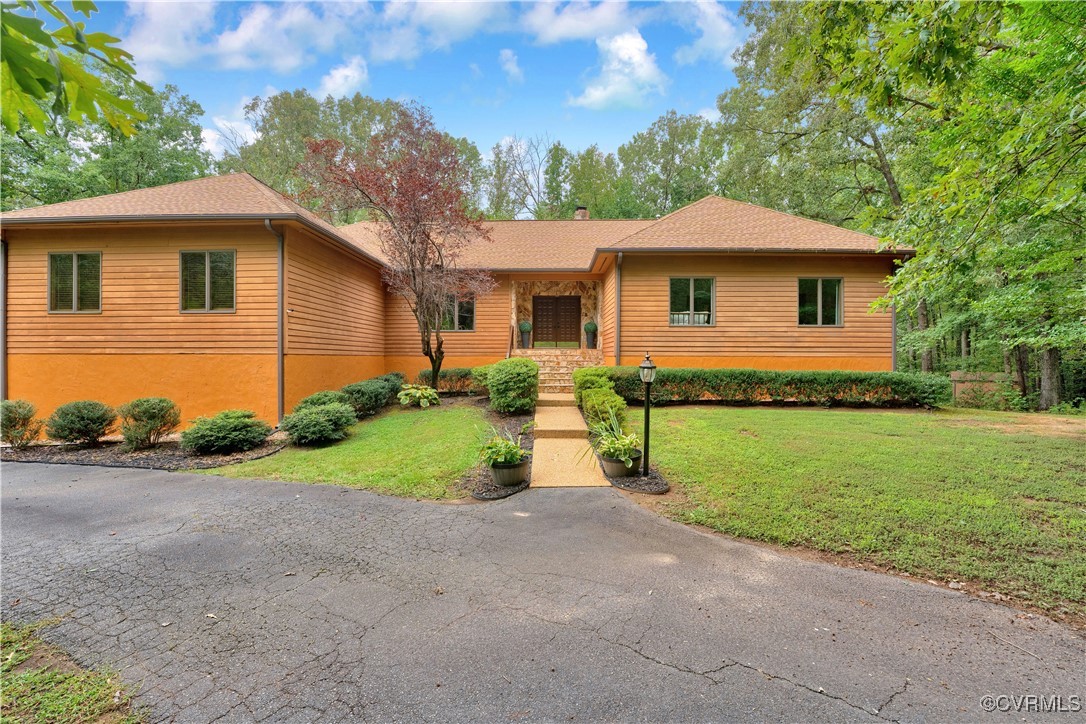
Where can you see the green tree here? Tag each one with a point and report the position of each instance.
(70, 160)
(44, 69)
(670, 163)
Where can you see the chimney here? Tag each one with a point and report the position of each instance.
(581, 214)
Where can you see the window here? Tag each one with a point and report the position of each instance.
(458, 316)
(75, 282)
(820, 302)
(692, 301)
(207, 281)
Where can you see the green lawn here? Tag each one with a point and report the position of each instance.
(996, 499)
(413, 453)
(40, 684)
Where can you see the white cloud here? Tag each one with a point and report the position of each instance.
(710, 114)
(721, 33)
(628, 72)
(343, 80)
(551, 22)
(231, 129)
(508, 60)
(404, 30)
(167, 34)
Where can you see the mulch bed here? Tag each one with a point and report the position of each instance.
(653, 484)
(478, 481)
(166, 456)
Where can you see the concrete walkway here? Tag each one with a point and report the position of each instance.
(559, 459)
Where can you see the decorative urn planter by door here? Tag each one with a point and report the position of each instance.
(525, 334)
(590, 330)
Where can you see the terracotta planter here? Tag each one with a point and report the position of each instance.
(510, 474)
(616, 468)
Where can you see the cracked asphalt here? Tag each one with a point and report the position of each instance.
(235, 600)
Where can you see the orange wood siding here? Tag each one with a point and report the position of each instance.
(756, 309)
(607, 311)
(140, 292)
(335, 301)
(490, 338)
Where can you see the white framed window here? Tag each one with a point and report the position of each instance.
(458, 315)
(75, 282)
(693, 300)
(208, 281)
(820, 302)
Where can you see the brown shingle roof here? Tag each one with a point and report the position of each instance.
(711, 224)
(527, 245)
(232, 196)
(719, 224)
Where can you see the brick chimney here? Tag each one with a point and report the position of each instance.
(581, 214)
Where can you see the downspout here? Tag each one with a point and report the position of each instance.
(279, 368)
(893, 337)
(3, 319)
(618, 309)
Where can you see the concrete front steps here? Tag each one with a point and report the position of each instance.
(561, 457)
(556, 365)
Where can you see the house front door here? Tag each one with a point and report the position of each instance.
(556, 321)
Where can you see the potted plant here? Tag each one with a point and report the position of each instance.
(507, 460)
(590, 329)
(619, 452)
(525, 334)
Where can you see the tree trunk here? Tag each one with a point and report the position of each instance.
(922, 324)
(437, 356)
(1050, 378)
(1006, 361)
(1021, 353)
(965, 342)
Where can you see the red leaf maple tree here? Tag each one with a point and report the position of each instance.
(410, 182)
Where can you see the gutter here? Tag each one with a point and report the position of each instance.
(618, 309)
(279, 322)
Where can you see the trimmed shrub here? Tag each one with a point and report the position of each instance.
(478, 379)
(395, 381)
(599, 404)
(318, 424)
(368, 397)
(229, 431)
(743, 386)
(513, 385)
(18, 427)
(418, 396)
(456, 380)
(324, 397)
(590, 378)
(86, 422)
(144, 422)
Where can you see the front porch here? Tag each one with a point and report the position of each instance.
(556, 365)
(558, 312)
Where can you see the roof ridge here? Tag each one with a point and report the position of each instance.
(668, 216)
(284, 203)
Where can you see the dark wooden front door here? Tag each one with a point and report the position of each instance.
(556, 321)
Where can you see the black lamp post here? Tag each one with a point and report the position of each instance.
(647, 370)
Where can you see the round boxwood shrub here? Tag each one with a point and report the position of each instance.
(513, 385)
(369, 397)
(229, 431)
(326, 397)
(319, 424)
(599, 403)
(85, 422)
(144, 422)
(18, 427)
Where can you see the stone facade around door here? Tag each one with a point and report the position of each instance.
(588, 291)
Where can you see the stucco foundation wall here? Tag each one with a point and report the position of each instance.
(309, 373)
(790, 362)
(200, 384)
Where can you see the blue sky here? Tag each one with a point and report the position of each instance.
(579, 72)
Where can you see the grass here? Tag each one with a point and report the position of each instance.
(407, 452)
(38, 683)
(995, 499)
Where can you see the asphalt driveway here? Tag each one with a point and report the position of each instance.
(240, 600)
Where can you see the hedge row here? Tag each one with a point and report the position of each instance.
(743, 386)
